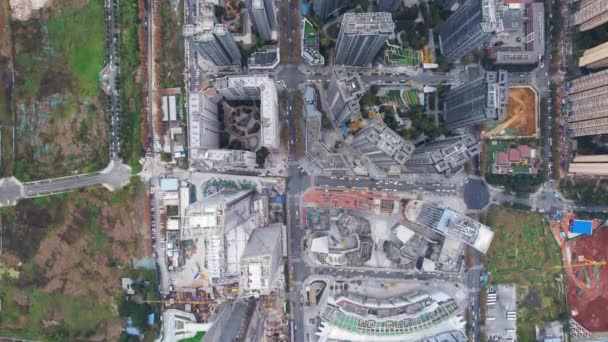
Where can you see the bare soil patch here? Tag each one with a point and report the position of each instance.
(521, 116)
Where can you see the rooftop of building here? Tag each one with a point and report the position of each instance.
(350, 83)
(369, 202)
(263, 241)
(388, 141)
(368, 23)
(269, 107)
(522, 40)
(358, 319)
(594, 54)
(450, 223)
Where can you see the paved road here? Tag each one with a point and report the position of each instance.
(114, 176)
(476, 195)
(112, 37)
(388, 184)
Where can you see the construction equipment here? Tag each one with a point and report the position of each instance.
(583, 262)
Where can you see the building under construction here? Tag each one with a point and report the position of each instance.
(260, 261)
(591, 14)
(594, 58)
(588, 105)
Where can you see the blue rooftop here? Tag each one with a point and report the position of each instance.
(582, 227)
(169, 184)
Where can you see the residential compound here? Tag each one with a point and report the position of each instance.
(382, 146)
(515, 160)
(470, 27)
(256, 86)
(591, 14)
(594, 58)
(446, 156)
(587, 105)
(361, 37)
(210, 40)
(264, 17)
(481, 100)
(343, 95)
(410, 317)
(325, 8)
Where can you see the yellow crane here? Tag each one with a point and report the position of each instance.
(583, 262)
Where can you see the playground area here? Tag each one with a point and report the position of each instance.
(521, 119)
(402, 97)
(234, 15)
(311, 37)
(395, 55)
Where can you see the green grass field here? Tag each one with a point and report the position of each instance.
(309, 30)
(525, 252)
(412, 98)
(395, 95)
(59, 117)
(80, 33)
(397, 56)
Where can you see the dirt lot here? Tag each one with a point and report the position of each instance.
(521, 115)
(58, 108)
(590, 306)
(71, 251)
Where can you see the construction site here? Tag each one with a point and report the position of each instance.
(521, 115)
(585, 261)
